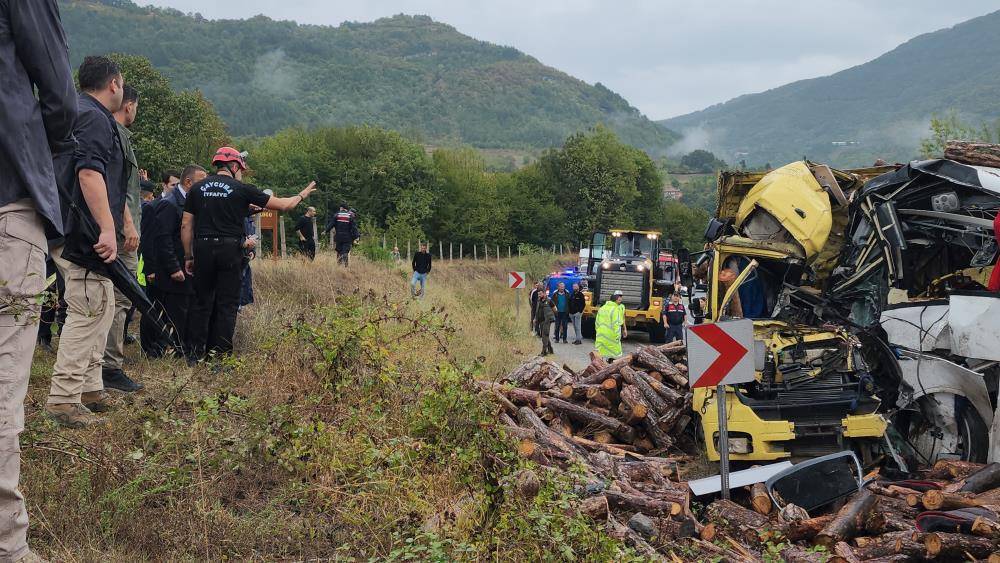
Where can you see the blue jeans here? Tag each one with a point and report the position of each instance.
(422, 279)
(562, 325)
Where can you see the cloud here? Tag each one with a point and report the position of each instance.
(273, 76)
(667, 57)
(695, 138)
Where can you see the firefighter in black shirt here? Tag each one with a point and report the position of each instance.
(212, 233)
(304, 228)
(345, 233)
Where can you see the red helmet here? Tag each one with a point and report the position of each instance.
(226, 155)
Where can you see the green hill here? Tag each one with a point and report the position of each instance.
(881, 108)
(407, 73)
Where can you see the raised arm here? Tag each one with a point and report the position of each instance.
(290, 203)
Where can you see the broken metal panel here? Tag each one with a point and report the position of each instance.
(918, 326)
(974, 319)
(931, 375)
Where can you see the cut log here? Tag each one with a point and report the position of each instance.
(613, 449)
(645, 504)
(994, 557)
(802, 530)
(661, 439)
(591, 418)
(957, 547)
(544, 434)
(610, 370)
(951, 469)
(708, 532)
(910, 544)
(799, 554)
(845, 553)
(850, 519)
(759, 499)
(603, 437)
(675, 528)
(669, 394)
(658, 405)
(597, 396)
(742, 524)
(983, 480)
(940, 500)
(986, 529)
(631, 398)
(654, 359)
(793, 513)
(976, 154)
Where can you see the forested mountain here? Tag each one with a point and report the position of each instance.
(878, 109)
(407, 73)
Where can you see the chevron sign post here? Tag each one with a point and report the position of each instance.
(719, 354)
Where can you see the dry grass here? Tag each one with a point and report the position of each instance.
(346, 420)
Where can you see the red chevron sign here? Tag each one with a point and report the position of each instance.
(719, 353)
(515, 280)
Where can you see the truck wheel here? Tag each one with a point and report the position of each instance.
(588, 327)
(657, 334)
(945, 424)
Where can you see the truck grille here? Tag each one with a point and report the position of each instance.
(631, 284)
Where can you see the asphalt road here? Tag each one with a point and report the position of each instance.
(578, 357)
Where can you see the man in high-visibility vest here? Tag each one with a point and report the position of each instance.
(610, 326)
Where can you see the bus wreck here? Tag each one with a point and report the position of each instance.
(868, 293)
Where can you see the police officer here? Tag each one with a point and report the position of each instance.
(212, 233)
(345, 233)
(674, 318)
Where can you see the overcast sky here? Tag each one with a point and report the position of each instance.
(667, 57)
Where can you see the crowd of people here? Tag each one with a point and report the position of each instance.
(77, 208)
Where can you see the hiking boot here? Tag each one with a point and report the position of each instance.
(96, 401)
(73, 415)
(578, 342)
(116, 379)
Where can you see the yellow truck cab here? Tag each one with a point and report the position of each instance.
(813, 391)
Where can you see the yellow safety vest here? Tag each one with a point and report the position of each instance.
(610, 318)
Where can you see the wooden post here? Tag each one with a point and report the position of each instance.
(509, 255)
(441, 249)
(281, 234)
(519, 251)
(498, 253)
(475, 252)
(407, 249)
(383, 241)
(560, 249)
(461, 251)
(315, 232)
(451, 252)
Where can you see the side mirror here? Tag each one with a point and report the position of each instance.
(686, 270)
(817, 482)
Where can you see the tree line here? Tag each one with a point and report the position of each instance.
(404, 191)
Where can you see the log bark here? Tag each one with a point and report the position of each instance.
(740, 523)
(850, 519)
(910, 544)
(632, 404)
(802, 530)
(799, 554)
(940, 500)
(977, 154)
(950, 469)
(544, 434)
(654, 359)
(658, 405)
(957, 546)
(527, 483)
(676, 528)
(983, 480)
(613, 449)
(669, 394)
(986, 529)
(591, 418)
(595, 507)
(645, 504)
(759, 499)
(609, 371)
(845, 553)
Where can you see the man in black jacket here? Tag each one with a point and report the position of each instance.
(421, 267)
(100, 172)
(174, 288)
(304, 230)
(577, 303)
(33, 55)
(150, 336)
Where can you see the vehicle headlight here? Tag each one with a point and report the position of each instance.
(606, 265)
(640, 268)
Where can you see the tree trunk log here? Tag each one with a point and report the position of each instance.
(608, 371)
(633, 404)
(595, 507)
(654, 359)
(658, 405)
(591, 418)
(849, 520)
(910, 544)
(623, 533)
(951, 469)
(940, 500)
(647, 505)
(740, 523)
(802, 530)
(759, 498)
(976, 154)
(957, 547)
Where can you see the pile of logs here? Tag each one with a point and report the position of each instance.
(977, 154)
(621, 428)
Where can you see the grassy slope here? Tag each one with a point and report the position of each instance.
(346, 421)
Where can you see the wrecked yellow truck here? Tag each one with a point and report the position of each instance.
(780, 241)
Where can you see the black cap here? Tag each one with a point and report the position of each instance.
(145, 186)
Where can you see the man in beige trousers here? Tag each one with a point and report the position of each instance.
(100, 171)
(33, 55)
